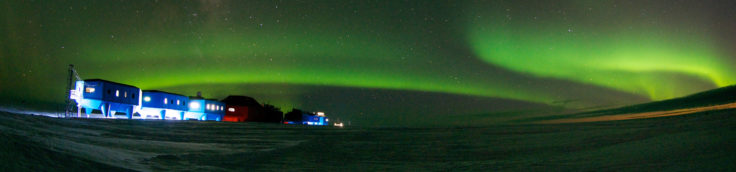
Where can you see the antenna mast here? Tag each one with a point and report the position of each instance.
(69, 85)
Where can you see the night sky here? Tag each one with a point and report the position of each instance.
(375, 62)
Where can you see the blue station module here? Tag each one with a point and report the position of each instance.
(205, 109)
(163, 105)
(314, 119)
(106, 96)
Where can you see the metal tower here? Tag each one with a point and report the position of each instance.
(70, 84)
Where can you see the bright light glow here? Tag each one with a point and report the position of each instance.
(231, 109)
(320, 114)
(74, 94)
(125, 94)
(177, 102)
(327, 119)
(166, 101)
(89, 89)
(338, 124)
(193, 105)
(117, 93)
(147, 99)
(208, 107)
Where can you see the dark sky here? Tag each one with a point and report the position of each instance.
(378, 62)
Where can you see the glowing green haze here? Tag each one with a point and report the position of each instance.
(507, 55)
(609, 48)
(311, 60)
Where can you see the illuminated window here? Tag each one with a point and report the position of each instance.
(125, 94)
(117, 93)
(231, 109)
(89, 89)
(147, 99)
(177, 102)
(194, 105)
(166, 101)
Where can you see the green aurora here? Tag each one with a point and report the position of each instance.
(540, 53)
(606, 48)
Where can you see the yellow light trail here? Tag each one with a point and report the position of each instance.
(642, 115)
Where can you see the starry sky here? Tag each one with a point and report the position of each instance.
(377, 62)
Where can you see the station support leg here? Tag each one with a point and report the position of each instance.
(87, 111)
(106, 110)
(129, 113)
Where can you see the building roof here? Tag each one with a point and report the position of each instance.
(241, 101)
(90, 80)
(201, 98)
(157, 91)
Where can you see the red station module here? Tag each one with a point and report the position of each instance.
(241, 109)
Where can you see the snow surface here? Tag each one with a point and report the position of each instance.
(703, 141)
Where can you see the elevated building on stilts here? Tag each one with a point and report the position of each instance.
(107, 96)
